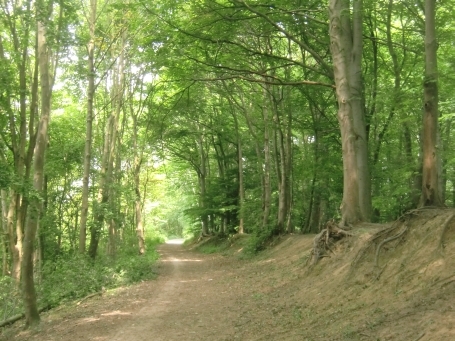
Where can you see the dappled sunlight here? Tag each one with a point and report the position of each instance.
(173, 259)
(189, 280)
(90, 319)
(116, 313)
(179, 241)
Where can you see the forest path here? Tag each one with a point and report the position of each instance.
(190, 300)
(193, 298)
(272, 297)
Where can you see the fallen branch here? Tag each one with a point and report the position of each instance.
(12, 319)
(18, 317)
(98, 293)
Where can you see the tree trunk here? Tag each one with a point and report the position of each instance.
(4, 231)
(103, 193)
(431, 195)
(137, 189)
(88, 128)
(28, 285)
(267, 189)
(446, 146)
(107, 162)
(346, 49)
(202, 186)
(241, 209)
(288, 173)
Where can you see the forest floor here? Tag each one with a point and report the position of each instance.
(394, 282)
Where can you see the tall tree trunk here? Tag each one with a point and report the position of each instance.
(267, 189)
(137, 189)
(202, 176)
(107, 162)
(4, 231)
(397, 84)
(28, 285)
(283, 180)
(288, 171)
(241, 188)
(346, 49)
(431, 195)
(259, 157)
(445, 160)
(88, 127)
(99, 206)
(314, 210)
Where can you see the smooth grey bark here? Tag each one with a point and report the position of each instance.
(346, 48)
(431, 192)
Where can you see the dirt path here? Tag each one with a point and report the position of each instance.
(273, 297)
(192, 299)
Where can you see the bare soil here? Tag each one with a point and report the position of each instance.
(407, 293)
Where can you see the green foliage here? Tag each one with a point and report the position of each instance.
(5, 175)
(259, 241)
(74, 277)
(10, 300)
(69, 279)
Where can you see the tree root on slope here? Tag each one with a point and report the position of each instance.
(324, 239)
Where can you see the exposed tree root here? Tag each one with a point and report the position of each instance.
(381, 238)
(201, 241)
(445, 227)
(394, 235)
(388, 240)
(325, 239)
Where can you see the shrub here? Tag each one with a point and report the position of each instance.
(10, 300)
(77, 276)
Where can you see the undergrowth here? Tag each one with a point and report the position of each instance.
(259, 241)
(73, 277)
(10, 300)
(246, 245)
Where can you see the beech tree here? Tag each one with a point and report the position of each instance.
(48, 60)
(91, 16)
(346, 45)
(431, 189)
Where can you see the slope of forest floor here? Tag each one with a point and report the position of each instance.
(386, 282)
